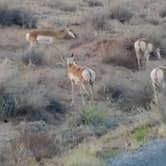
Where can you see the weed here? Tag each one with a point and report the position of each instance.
(140, 133)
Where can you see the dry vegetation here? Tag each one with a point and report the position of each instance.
(38, 125)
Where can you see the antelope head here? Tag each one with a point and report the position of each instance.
(69, 33)
(71, 59)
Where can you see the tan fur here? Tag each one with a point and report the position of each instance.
(82, 77)
(76, 71)
(61, 34)
(158, 75)
(143, 49)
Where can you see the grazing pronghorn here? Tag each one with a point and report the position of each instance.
(158, 76)
(82, 76)
(40, 36)
(143, 49)
(48, 37)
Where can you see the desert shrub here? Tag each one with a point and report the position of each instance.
(40, 144)
(163, 13)
(122, 14)
(55, 105)
(26, 97)
(100, 21)
(140, 133)
(42, 55)
(22, 100)
(128, 95)
(94, 3)
(35, 56)
(94, 115)
(91, 115)
(67, 7)
(97, 118)
(15, 16)
(35, 139)
(7, 105)
(19, 94)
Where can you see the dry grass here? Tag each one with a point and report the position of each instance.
(57, 4)
(44, 56)
(84, 155)
(94, 3)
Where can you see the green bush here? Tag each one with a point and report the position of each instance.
(94, 115)
(140, 133)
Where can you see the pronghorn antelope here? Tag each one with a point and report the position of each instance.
(143, 49)
(40, 36)
(82, 76)
(158, 76)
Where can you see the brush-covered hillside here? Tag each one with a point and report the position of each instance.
(38, 125)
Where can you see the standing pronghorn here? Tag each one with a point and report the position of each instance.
(158, 76)
(40, 36)
(82, 76)
(143, 49)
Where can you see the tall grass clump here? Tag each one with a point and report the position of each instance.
(83, 156)
(10, 16)
(140, 133)
(95, 115)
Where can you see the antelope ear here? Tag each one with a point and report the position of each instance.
(72, 55)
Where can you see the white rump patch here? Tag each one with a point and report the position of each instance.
(89, 75)
(44, 39)
(27, 36)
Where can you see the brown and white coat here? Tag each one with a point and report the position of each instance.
(82, 76)
(41, 36)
